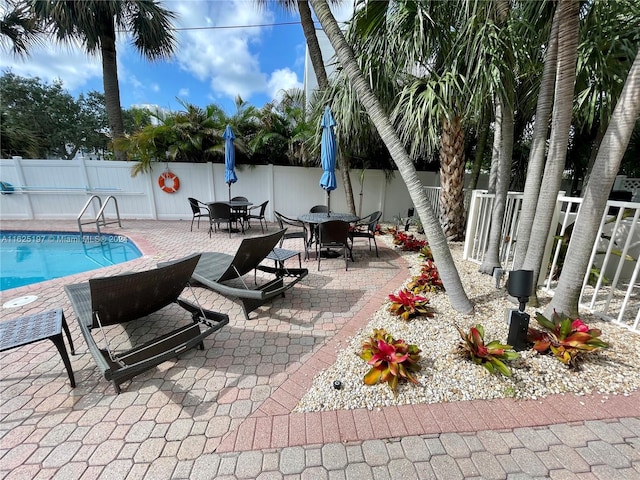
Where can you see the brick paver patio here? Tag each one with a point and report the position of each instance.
(225, 412)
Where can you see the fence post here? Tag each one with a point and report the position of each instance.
(17, 162)
(472, 223)
(550, 240)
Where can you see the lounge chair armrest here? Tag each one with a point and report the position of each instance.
(197, 312)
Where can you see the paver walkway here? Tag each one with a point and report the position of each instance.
(225, 412)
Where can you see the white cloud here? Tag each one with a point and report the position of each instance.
(55, 62)
(223, 56)
(183, 92)
(280, 80)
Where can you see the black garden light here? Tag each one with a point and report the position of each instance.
(519, 285)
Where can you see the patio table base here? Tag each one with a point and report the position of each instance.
(33, 328)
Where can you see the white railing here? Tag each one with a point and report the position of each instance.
(479, 226)
(433, 196)
(610, 289)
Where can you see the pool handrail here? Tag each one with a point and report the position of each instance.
(100, 214)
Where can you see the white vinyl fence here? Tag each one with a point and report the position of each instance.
(58, 189)
(611, 289)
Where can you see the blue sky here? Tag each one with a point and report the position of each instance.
(210, 65)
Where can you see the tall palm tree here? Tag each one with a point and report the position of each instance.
(504, 107)
(568, 26)
(94, 23)
(538, 147)
(437, 240)
(603, 175)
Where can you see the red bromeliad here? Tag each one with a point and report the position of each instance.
(407, 242)
(492, 355)
(391, 360)
(567, 339)
(407, 304)
(428, 280)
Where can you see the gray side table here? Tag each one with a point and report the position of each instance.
(33, 328)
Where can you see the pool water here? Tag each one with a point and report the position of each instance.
(29, 257)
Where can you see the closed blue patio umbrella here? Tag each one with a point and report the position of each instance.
(328, 154)
(229, 158)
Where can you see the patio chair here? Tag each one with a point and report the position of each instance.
(223, 273)
(286, 222)
(313, 227)
(332, 235)
(259, 216)
(102, 302)
(239, 214)
(319, 209)
(199, 210)
(220, 212)
(366, 228)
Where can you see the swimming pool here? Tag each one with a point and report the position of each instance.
(28, 257)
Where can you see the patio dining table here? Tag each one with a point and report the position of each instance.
(314, 219)
(237, 207)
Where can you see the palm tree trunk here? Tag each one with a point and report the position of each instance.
(538, 147)
(483, 136)
(602, 128)
(112, 89)
(495, 151)
(561, 121)
(441, 253)
(604, 172)
(452, 179)
(343, 161)
(315, 54)
(504, 112)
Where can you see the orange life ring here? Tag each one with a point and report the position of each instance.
(168, 182)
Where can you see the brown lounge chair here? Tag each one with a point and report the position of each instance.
(122, 298)
(215, 268)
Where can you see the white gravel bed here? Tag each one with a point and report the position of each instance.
(446, 377)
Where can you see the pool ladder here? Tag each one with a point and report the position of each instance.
(100, 219)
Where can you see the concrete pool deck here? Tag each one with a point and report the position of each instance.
(226, 411)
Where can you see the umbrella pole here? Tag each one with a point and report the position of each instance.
(229, 191)
(328, 203)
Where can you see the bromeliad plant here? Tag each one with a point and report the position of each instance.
(407, 304)
(491, 356)
(565, 338)
(428, 280)
(391, 360)
(425, 252)
(407, 242)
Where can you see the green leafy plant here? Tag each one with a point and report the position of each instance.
(565, 338)
(428, 280)
(391, 360)
(407, 304)
(491, 356)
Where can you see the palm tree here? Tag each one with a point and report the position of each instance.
(437, 240)
(504, 107)
(94, 23)
(601, 180)
(315, 54)
(568, 26)
(538, 147)
(284, 131)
